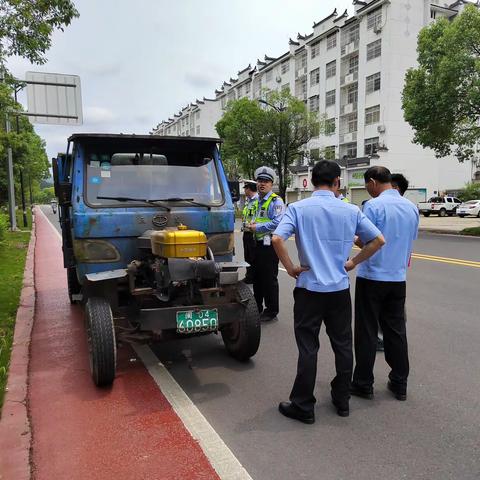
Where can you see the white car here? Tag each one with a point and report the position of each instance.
(472, 207)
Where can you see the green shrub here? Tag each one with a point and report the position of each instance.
(470, 192)
(473, 231)
(3, 226)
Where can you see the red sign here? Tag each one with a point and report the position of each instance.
(305, 183)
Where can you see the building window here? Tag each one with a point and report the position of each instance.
(247, 88)
(240, 91)
(372, 83)
(374, 49)
(371, 145)
(301, 88)
(313, 103)
(285, 66)
(314, 154)
(330, 98)
(197, 131)
(197, 115)
(331, 69)
(351, 150)
(372, 115)
(351, 34)
(352, 93)
(351, 123)
(315, 77)
(374, 19)
(330, 126)
(329, 152)
(433, 14)
(315, 50)
(353, 64)
(268, 75)
(331, 40)
(223, 102)
(300, 61)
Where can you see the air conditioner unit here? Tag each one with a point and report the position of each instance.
(381, 129)
(377, 29)
(348, 78)
(348, 108)
(347, 137)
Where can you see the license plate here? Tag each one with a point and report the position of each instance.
(195, 321)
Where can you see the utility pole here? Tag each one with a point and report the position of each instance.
(11, 185)
(22, 185)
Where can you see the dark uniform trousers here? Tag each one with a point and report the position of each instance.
(265, 283)
(335, 310)
(380, 303)
(249, 254)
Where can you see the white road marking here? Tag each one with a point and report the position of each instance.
(219, 455)
(49, 222)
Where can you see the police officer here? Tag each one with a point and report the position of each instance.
(269, 211)
(381, 287)
(324, 228)
(248, 215)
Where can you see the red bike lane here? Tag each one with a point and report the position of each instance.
(128, 431)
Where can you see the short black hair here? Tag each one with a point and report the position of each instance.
(378, 173)
(324, 173)
(251, 186)
(401, 182)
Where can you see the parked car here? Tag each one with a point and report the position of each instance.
(440, 206)
(472, 207)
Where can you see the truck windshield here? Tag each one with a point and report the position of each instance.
(151, 176)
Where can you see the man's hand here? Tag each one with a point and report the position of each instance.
(252, 226)
(349, 266)
(296, 270)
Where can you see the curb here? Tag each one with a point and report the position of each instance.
(454, 233)
(15, 430)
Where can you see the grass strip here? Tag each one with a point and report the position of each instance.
(13, 251)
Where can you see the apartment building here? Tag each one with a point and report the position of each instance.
(349, 69)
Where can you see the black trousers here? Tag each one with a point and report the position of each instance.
(380, 303)
(249, 254)
(265, 281)
(335, 310)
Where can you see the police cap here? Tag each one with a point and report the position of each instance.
(265, 173)
(251, 184)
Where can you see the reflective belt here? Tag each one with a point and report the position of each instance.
(261, 215)
(345, 199)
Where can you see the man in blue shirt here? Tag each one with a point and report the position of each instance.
(381, 288)
(269, 211)
(324, 229)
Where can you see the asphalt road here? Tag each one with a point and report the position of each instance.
(433, 435)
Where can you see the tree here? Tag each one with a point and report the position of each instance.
(470, 192)
(26, 26)
(276, 135)
(441, 97)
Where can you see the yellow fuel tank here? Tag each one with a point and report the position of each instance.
(179, 242)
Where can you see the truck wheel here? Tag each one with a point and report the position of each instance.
(426, 214)
(442, 212)
(74, 287)
(461, 215)
(242, 338)
(102, 349)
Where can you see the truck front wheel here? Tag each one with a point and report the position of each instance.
(426, 214)
(102, 349)
(242, 338)
(442, 212)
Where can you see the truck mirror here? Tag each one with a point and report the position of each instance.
(234, 187)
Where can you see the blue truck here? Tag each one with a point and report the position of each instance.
(148, 244)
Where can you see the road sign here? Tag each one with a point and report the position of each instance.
(54, 98)
(305, 183)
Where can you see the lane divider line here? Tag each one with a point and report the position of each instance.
(220, 456)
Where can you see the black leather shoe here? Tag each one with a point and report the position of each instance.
(397, 393)
(343, 409)
(361, 392)
(291, 411)
(265, 317)
(247, 280)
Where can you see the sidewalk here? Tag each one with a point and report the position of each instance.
(128, 431)
(450, 225)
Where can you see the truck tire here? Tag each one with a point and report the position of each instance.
(242, 338)
(426, 214)
(461, 215)
(73, 285)
(102, 349)
(442, 212)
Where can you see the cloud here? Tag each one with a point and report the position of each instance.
(200, 80)
(98, 115)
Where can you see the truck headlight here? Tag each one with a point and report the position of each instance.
(95, 251)
(221, 243)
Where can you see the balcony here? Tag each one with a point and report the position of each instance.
(349, 79)
(348, 137)
(301, 72)
(348, 108)
(350, 48)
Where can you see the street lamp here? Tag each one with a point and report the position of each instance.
(278, 109)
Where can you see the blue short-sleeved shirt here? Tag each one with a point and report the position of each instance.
(324, 229)
(397, 219)
(275, 212)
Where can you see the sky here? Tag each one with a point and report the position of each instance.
(142, 61)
